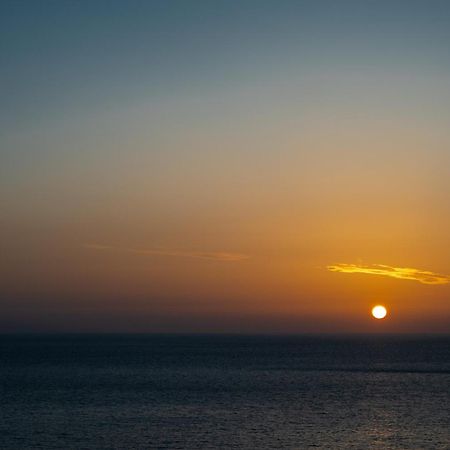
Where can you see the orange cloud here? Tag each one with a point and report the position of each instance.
(403, 273)
(217, 256)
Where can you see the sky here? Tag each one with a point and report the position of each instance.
(224, 166)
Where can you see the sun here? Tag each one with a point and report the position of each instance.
(379, 312)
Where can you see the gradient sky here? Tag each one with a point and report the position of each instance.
(224, 166)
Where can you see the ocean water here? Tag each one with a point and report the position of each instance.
(249, 392)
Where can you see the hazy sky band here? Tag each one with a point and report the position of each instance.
(217, 256)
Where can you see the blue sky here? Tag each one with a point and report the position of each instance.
(71, 56)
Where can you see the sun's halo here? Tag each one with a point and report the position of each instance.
(379, 312)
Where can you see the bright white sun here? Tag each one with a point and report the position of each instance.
(379, 312)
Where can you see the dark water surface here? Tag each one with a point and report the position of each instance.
(196, 392)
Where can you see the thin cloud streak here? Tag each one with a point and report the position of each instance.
(215, 256)
(403, 273)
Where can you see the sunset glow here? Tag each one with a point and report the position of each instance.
(379, 312)
(235, 167)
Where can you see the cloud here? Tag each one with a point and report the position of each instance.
(215, 256)
(404, 273)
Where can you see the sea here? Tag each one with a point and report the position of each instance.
(224, 392)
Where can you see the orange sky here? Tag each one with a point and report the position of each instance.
(211, 185)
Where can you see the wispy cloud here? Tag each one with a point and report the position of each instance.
(216, 256)
(404, 273)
